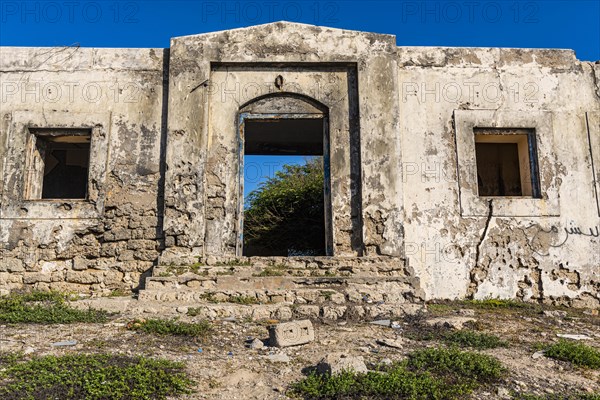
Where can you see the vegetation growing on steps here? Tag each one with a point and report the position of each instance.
(91, 377)
(236, 299)
(442, 374)
(490, 304)
(45, 308)
(234, 263)
(242, 300)
(120, 293)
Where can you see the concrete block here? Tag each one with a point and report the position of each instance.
(336, 363)
(291, 333)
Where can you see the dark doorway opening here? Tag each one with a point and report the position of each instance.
(286, 212)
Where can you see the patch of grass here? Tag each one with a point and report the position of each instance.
(7, 359)
(474, 340)
(92, 377)
(45, 308)
(453, 363)
(440, 374)
(492, 304)
(212, 298)
(195, 268)
(576, 353)
(440, 307)
(170, 327)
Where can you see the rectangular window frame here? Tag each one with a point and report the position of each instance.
(466, 123)
(16, 203)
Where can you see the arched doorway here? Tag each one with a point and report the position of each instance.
(286, 124)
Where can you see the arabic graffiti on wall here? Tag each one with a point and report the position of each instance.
(543, 239)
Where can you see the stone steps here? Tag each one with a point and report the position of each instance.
(295, 266)
(135, 308)
(285, 312)
(319, 287)
(195, 282)
(383, 291)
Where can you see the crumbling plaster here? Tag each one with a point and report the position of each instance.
(200, 94)
(511, 248)
(109, 240)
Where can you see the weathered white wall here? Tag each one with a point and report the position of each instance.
(515, 257)
(109, 241)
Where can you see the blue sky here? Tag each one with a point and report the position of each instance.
(151, 23)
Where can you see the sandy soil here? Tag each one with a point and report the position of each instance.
(224, 368)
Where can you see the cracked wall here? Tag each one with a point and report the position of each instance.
(459, 244)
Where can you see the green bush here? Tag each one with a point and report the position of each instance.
(453, 363)
(576, 353)
(285, 215)
(439, 374)
(170, 327)
(45, 308)
(474, 340)
(92, 377)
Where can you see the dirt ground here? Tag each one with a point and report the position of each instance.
(224, 368)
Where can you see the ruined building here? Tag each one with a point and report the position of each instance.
(449, 172)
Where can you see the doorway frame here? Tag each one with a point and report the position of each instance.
(327, 207)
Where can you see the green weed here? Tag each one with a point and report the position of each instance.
(440, 374)
(242, 300)
(576, 353)
(475, 340)
(45, 308)
(92, 377)
(170, 327)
